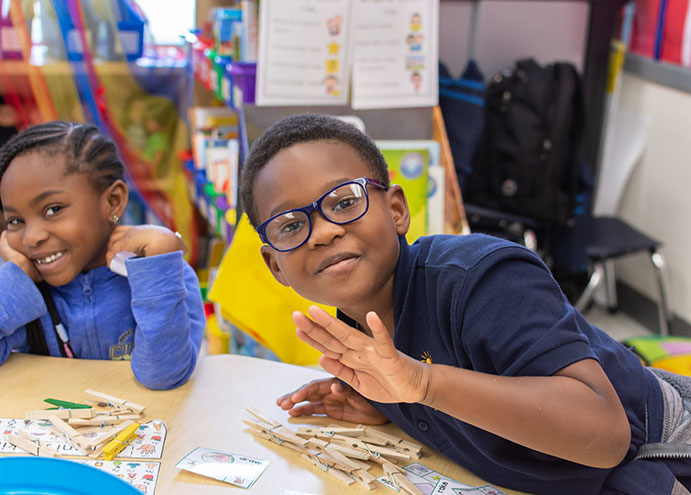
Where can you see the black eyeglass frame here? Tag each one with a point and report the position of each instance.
(316, 205)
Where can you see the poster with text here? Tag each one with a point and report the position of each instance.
(304, 52)
(396, 46)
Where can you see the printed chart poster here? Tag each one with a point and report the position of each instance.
(304, 52)
(396, 47)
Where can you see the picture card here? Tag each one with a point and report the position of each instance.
(236, 469)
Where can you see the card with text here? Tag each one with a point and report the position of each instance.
(236, 469)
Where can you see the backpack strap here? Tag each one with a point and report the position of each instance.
(34, 330)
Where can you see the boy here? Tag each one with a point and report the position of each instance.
(465, 342)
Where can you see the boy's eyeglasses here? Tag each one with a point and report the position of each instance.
(343, 204)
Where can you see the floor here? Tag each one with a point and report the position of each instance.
(618, 325)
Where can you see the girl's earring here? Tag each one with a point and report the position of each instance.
(115, 219)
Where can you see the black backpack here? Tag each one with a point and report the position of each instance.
(529, 160)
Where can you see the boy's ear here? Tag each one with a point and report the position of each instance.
(116, 197)
(269, 256)
(398, 205)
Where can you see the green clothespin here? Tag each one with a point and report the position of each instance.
(66, 404)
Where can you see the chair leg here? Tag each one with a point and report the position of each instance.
(611, 286)
(593, 283)
(663, 311)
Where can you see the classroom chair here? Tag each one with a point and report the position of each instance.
(512, 227)
(609, 238)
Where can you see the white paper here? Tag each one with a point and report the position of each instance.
(117, 264)
(396, 52)
(236, 469)
(303, 52)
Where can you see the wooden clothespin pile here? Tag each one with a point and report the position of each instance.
(345, 453)
(105, 426)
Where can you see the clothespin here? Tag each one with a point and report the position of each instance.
(60, 413)
(104, 420)
(364, 478)
(125, 404)
(121, 441)
(269, 421)
(398, 478)
(32, 445)
(324, 466)
(348, 452)
(411, 448)
(376, 451)
(73, 437)
(67, 404)
(107, 435)
(63, 427)
(279, 434)
(277, 427)
(342, 430)
(350, 464)
(261, 434)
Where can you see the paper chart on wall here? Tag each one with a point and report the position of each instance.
(304, 52)
(151, 437)
(396, 50)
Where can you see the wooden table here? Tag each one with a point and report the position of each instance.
(205, 412)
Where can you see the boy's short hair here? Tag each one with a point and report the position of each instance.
(302, 128)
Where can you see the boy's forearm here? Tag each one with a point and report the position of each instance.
(558, 415)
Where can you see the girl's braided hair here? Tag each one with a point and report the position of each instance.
(84, 148)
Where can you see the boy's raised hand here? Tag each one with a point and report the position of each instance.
(371, 365)
(329, 396)
(7, 253)
(143, 240)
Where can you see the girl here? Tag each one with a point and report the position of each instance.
(62, 194)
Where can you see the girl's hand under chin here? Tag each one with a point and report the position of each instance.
(8, 254)
(143, 240)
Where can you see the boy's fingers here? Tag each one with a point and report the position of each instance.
(380, 334)
(318, 334)
(307, 339)
(308, 409)
(343, 333)
(338, 369)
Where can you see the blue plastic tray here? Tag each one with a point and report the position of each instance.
(51, 476)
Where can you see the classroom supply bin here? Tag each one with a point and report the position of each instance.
(244, 75)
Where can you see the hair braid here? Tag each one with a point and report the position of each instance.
(84, 148)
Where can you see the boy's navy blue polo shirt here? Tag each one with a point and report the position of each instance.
(488, 305)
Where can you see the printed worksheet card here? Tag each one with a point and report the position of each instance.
(149, 443)
(304, 52)
(395, 59)
(236, 469)
(141, 475)
(450, 487)
(430, 482)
